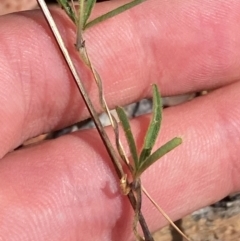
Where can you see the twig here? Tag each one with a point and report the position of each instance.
(81, 88)
(93, 113)
(164, 214)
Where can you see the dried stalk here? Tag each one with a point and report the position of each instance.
(137, 183)
(93, 113)
(164, 214)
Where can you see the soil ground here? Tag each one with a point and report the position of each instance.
(213, 224)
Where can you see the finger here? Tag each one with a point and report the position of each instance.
(38, 94)
(184, 46)
(66, 188)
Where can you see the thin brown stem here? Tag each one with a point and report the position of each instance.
(164, 214)
(136, 187)
(114, 124)
(81, 88)
(93, 113)
(146, 233)
(138, 190)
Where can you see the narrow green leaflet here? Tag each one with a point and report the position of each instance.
(169, 146)
(128, 133)
(154, 126)
(113, 13)
(88, 9)
(68, 9)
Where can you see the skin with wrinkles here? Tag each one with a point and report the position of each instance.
(66, 189)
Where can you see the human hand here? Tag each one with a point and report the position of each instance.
(66, 189)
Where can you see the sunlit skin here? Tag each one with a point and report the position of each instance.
(66, 189)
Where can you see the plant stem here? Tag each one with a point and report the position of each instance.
(136, 187)
(80, 23)
(93, 113)
(81, 88)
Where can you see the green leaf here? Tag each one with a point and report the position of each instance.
(113, 13)
(88, 9)
(68, 9)
(128, 133)
(169, 146)
(154, 126)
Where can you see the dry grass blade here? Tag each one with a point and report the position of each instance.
(164, 214)
(113, 122)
